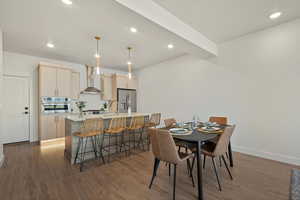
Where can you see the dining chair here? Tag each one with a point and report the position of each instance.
(164, 149)
(154, 120)
(219, 150)
(116, 129)
(170, 123)
(219, 120)
(136, 128)
(90, 129)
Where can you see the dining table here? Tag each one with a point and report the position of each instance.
(196, 139)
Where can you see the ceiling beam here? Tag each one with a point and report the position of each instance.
(159, 15)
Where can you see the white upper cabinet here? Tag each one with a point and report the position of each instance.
(47, 81)
(54, 81)
(106, 87)
(75, 86)
(64, 77)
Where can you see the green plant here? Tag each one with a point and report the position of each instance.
(81, 105)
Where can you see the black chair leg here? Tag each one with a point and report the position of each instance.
(190, 171)
(193, 162)
(204, 161)
(169, 169)
(174, 183)
(214, 165)
(156, 165)
(227, 167)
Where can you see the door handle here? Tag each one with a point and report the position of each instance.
(26, 108)
(26, 113)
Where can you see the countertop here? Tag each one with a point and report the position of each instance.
(77, 118)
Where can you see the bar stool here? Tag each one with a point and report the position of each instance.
(90, 129)
(136, 127)
(116, 130)
(153, 122)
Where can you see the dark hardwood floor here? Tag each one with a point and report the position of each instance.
(34, 173)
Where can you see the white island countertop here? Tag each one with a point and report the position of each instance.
(77, 118)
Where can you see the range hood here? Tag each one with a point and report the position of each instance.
(90, 80)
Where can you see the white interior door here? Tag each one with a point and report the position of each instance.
(15, 109)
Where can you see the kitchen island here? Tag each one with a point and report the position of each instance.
(73, 123)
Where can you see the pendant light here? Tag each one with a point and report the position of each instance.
(97, 55)
(129, 62)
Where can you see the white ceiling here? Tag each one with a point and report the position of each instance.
(29, 24)
(222, 20)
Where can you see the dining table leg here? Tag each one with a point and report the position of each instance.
(199, 172)
(230, 154)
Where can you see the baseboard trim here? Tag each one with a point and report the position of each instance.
(277, 157)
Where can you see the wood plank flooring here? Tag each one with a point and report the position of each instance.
(33, 173)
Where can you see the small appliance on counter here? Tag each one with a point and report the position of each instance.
(52, 105)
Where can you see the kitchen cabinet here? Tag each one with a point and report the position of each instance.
(63, 82)
(47, 81)
(60, 127)
(106, 87)
(54, 81)
(47, 127)
(122, 81)
(75, 86)
(132, 83)
(51, 127)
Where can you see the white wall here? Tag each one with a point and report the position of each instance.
(254, 81)
(26, 66)
(1, 84)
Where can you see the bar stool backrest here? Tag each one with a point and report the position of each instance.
(117, 123)
(155, 118)
(92, 126)
(137, 121)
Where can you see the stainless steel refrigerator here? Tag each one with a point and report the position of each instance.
(126, 98)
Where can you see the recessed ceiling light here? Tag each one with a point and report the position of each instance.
(170, 46)
(275, 15)
(133, 30)
(67, 2)
(50, 45)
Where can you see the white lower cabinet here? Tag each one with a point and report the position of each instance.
(52, 127)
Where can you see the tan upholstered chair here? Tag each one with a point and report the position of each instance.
(219, 150)
(164, 149)
(219, 120)
(154, 120)
(90, 129)
(170, 123)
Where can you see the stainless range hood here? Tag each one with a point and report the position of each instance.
(90, 79)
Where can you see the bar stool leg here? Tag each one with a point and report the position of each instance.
(77, 151)
(83, 155)
(101, 149)
(109, 147)
(94, 146)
